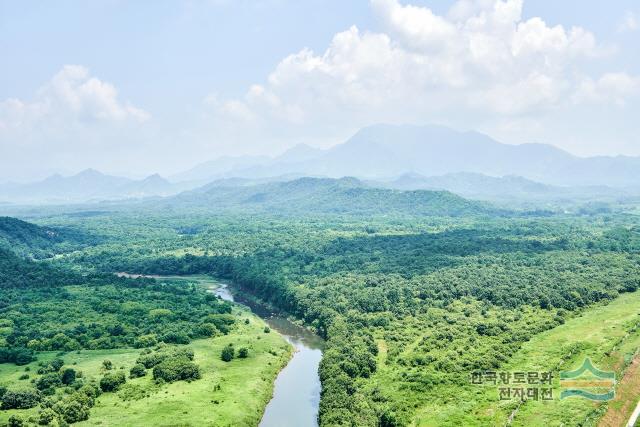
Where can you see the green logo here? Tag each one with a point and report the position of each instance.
(589, 382)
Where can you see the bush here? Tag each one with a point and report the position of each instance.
(15, 421)
(152, 359)
(243, 353)
(145, 341)
(107, 365)
(72, 409)
(68, 376)
(267, 329)
(19, 355)
(48, 382)
(175, 338)
(137, 371)
(112, 381)
(46, 416)
(21, 398)
(175, 370)
(227, 354)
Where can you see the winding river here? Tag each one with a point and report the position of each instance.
(296, 393)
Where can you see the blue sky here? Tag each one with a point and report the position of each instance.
(140, 87)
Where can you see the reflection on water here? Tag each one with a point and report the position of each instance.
(296, 393)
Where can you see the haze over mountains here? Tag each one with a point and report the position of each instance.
(88, 185)
(403, 157)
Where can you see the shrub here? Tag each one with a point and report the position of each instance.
(137, 371)
(267, 329)
(68, 376)
(227, 354)
(21, 398)
(15, 421)
(19, 355)
(107, 364)
(175, 338)
(48, 382)
(175, 370)
(243, 353)
(146, 341)
(112, 381)
(46, 416)
(72, 410)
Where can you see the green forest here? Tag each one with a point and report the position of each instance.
(410, 306)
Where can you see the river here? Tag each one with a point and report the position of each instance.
(296, 393)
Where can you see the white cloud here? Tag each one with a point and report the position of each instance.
(610, 88)
(629, 23)
(71, 96)
(482, 58)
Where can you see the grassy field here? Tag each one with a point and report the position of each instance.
(229, 394)
(608, 334)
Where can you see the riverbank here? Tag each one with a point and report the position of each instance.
(296, 391)
(234, 393)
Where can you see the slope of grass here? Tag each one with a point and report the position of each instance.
(605, 333)
(228, 394)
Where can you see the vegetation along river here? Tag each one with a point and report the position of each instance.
(296, 393)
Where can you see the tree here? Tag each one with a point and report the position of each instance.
(68, 376)
(21, 399)
(175, 370)
(243, 353)
(137, 371)
(112, 381)
(228, 353)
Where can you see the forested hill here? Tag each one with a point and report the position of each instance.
(327, 196)
(31, 240)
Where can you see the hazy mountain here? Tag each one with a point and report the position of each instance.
(218, 168)
(510, 187)
(384, 151)
(85, 186)
(299, 153)
(324, 196)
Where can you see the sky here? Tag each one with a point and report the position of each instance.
(134, 88)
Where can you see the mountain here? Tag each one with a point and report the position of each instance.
(348, 196)
(385, 151)
(27, 239)
(218, 168)
(88, 185)
(483, 187)
(299, 153)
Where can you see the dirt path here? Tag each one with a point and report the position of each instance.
(627, 395)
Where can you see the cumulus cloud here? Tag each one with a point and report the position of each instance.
(610, 88)
(71, 95)
(629, 23)
(482, 58)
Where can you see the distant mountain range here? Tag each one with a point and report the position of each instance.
(389, 156)
(386, 151)
(88, 185)
(502, 189)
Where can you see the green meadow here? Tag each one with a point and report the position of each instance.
(228, 394)
(606, 333)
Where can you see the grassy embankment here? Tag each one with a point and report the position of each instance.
(228, 394)
(607, 333)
